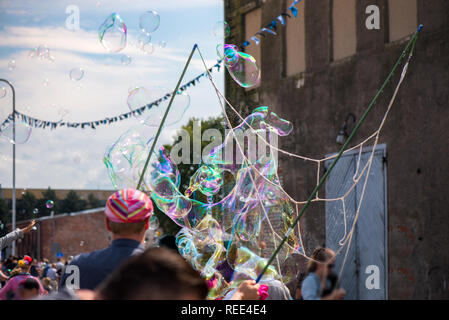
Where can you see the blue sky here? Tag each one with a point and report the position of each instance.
(51, 158)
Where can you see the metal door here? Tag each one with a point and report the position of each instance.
(367, 255)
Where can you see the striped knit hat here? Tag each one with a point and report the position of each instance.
(128, 206)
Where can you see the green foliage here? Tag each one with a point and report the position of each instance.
(93, 201)
(73, 203)
(25, 206)
(5, 217)
(187, 170)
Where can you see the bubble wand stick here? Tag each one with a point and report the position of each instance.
(411, 43)
(165, 116)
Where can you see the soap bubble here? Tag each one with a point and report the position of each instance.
(149, 21)
(3, 92)
(162, 44)
(220, 51)
(153, 117)
(154, 223)
(113, 33)
(23, 132)
(49, 204)
(125, 60)
(126, 157)
(11, 65)
(43, 51)
(62, 112)
(33, 53)
(148, 48)
(139, 97)
(221, 29)
(35, 211)
(46, 82)
(242, 67)
(76, 74)
(142, 40)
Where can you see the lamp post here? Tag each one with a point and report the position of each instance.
(13, 247)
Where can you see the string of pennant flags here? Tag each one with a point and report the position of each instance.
(36, 123)
(271, 28)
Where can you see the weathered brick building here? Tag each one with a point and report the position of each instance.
(327, 64)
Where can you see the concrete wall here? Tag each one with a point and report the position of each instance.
(416, 132)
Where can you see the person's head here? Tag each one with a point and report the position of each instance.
(25, 264)
(29, 289)
(321, 262)
(46, 282)
(155, 274)
(127, 214)
(46, 261)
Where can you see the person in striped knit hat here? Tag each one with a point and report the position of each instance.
(128, 212)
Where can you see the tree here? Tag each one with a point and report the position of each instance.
(5, 217)
(26, 206)
(73, 203)
(93, 201)
(186, 170)
(49, 194)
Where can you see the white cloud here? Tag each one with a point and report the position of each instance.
(48, 158)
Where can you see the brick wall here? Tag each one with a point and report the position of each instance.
(416, 132)
(73, 234)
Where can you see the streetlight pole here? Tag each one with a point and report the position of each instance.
(13, 161)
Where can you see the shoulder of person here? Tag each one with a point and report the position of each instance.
(86, 257)
(309, 280)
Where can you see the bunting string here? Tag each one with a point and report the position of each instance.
(270, 28)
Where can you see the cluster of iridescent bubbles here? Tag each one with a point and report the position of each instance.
(230, 214)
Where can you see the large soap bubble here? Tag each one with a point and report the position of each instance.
(22, 134)
(139, 97)
(227, 208)
(149, 21)
(142, 96)
(113, 33)
(221, 29)
(242, 67)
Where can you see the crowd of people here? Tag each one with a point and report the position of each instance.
(126, 270)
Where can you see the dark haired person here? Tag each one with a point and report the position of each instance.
(316, 282)
(29, 289)
(127, 216)
(168, 241)
(155, 274)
